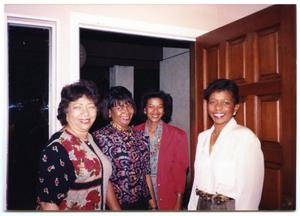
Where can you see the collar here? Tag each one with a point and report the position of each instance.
(232, 123)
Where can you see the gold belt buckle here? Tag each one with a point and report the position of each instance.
(217, 198)
(205, 196)
(220, 199)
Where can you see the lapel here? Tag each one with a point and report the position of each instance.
(166, 141)
(165, 137)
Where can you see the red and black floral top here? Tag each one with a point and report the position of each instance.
(73, 174)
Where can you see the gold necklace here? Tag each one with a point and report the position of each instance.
(128, 130)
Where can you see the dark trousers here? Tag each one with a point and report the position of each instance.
(141, 204)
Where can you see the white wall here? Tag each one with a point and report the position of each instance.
(204, 17)
(122, 76)
(181, 21)
(175, 80)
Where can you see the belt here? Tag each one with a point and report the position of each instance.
(86, 185)
(217, 198)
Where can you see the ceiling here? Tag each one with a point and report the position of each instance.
(183, 20)
(195, 19)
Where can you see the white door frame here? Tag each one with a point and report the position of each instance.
(83, 20)
(35, 22)
(77, 21)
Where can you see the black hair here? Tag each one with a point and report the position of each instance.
(115, 96)
(167, 102)
(223, 85)
(74, 91)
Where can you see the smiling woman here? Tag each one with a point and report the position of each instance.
(229, 163)
(127, 150)
(168, 150)
(80, 116)
(74, 173)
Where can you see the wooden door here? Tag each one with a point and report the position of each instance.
(259, 53)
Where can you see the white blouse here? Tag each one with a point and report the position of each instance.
(234, 168)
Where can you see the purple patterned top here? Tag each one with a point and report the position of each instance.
(130, 157)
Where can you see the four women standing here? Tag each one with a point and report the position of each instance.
(145, 167)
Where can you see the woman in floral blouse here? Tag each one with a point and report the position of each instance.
(74, 173)
(128, 151)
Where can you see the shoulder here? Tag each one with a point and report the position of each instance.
(54, 148)
(204, 134)
(55, 140)
(173, 129)
(106, 130)
(139, 127)
(139, 134)
(239, 130)
(54, 137)
(245, 136)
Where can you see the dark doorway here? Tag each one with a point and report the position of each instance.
(101, 50)
(28, 111)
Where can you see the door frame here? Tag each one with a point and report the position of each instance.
(36, 22)
(77, 21)
(99, 23)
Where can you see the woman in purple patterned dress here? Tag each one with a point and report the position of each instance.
(128, 151)
(74, 173)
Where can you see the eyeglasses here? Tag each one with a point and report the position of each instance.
(123, 106)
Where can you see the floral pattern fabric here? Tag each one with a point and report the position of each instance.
(71, 173)
(129, 154)
(154, 152)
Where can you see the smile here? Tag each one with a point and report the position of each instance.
(219, 115)
(85, 121)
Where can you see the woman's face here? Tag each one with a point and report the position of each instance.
(81, 114)
(221, 107)
(154, 109)
(122, 114)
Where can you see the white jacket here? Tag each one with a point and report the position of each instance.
(235, 167)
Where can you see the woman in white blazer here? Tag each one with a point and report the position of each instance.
(229, 163)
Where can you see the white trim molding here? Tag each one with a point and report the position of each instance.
(35, 22)
(54, 63)
(83, 20)
(135, 27)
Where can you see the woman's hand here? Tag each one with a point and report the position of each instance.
(112, 202)
(178, 205)
(45, 206)
(152, 202)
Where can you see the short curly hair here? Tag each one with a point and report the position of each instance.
(73, 92)
(115, 96)
(167, 101)
(223, 85)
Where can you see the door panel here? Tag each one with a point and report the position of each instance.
(259, 53)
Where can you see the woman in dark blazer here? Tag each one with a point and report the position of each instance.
(168, 150)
